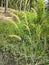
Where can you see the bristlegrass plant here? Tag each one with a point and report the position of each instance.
(27, 41)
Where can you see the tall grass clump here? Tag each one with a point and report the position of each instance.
(27, 41)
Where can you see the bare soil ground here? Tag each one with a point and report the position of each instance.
(6, 15)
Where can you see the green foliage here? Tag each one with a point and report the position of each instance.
(26, 16)
(19, 4)
(26, 42)
(40, 9)
(13, 4)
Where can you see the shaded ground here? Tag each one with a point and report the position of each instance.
(6, 15)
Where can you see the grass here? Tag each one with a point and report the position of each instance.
(25, 40)
(25, 43)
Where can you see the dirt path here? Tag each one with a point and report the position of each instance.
(7, 15)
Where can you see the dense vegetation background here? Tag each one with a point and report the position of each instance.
(24, 40)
